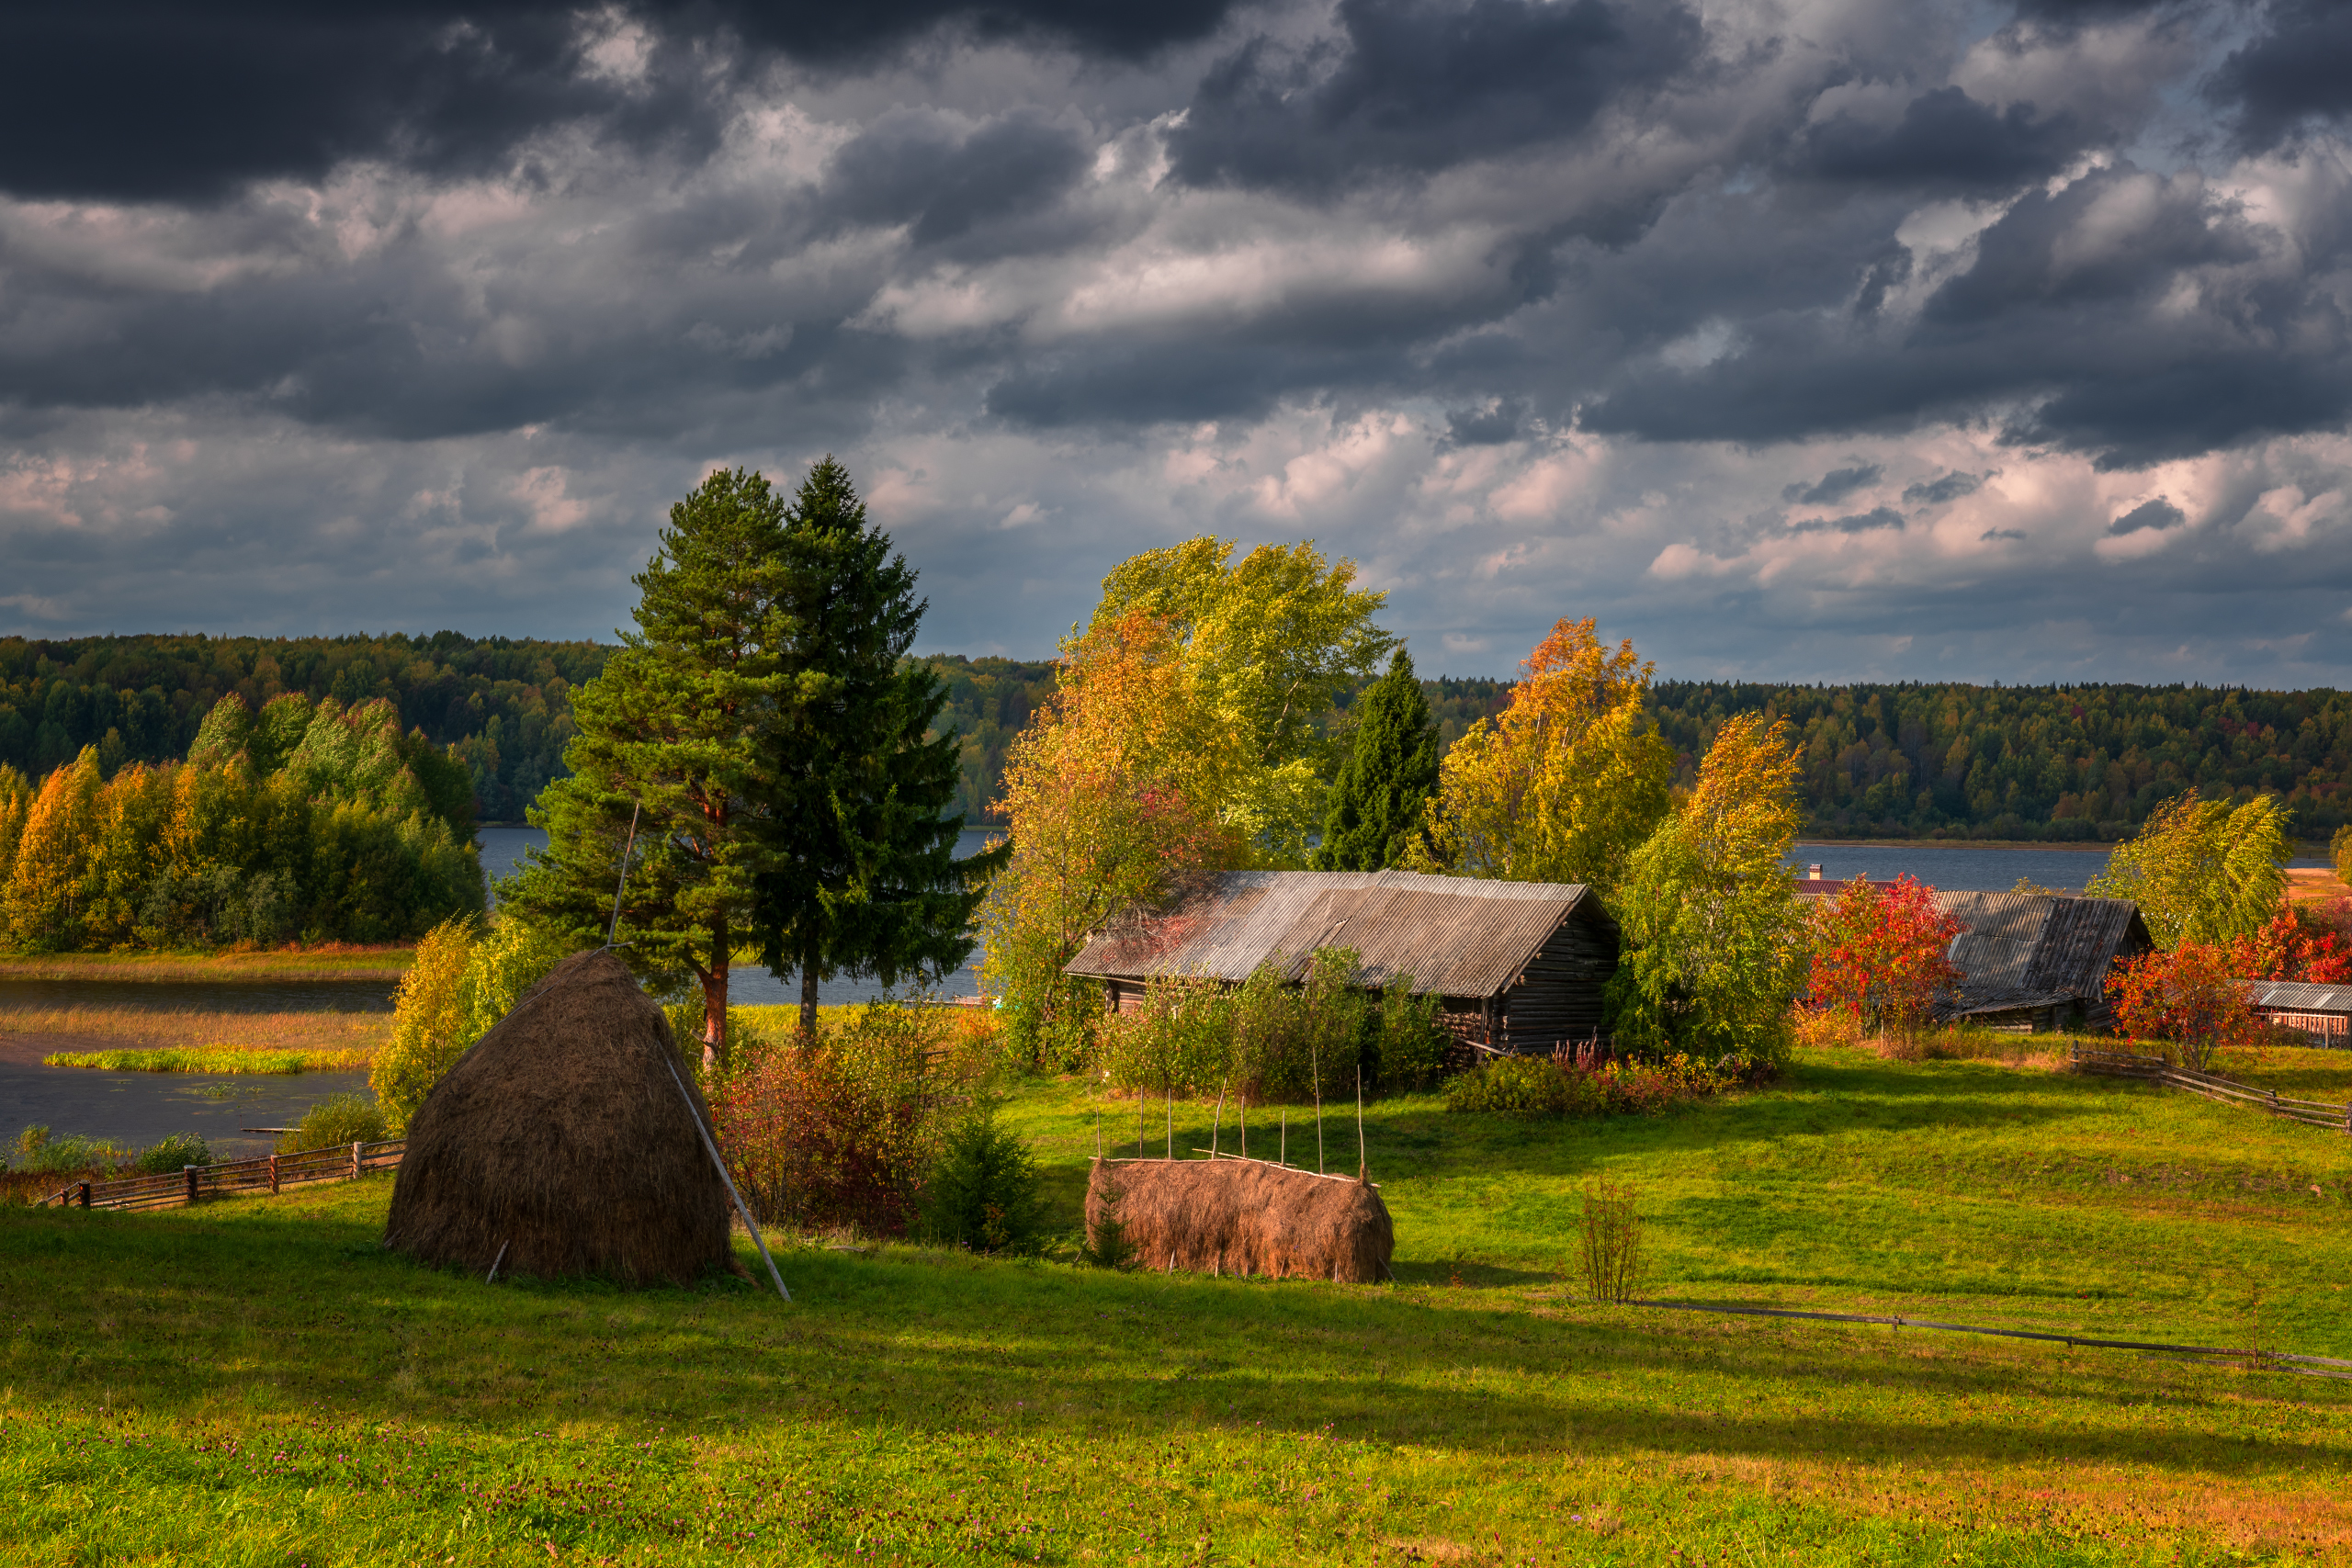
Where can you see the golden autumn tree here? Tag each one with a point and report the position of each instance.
(1566, 781)
(1111, 795)
(47, 890)
(1267, 643)
(1714, 941)
(133, 810)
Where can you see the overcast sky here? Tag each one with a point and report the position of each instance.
(1824, 340)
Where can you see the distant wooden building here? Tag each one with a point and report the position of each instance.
(2322, 1012)
(1519, 966)
(2038, 961)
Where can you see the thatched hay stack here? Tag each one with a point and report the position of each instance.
(1235, 1216)
(562, 1137)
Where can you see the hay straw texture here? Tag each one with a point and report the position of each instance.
(1231, 1216)
(561, 1136)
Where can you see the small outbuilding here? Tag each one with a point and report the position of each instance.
(2036, 962)
(2322, 1012)
(1519, 966)
(564, 1142)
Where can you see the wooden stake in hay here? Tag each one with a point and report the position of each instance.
(1234, 1216)
(562, 1136)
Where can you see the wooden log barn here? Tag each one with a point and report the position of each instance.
(2036, 962)
(1519, 966)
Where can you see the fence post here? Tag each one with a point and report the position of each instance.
(188, 1172)
(355, 1158)
(273, 1176)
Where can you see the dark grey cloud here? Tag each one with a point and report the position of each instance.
(1417, 85)
(1868, 522)
(147, 100)
(1489, 427)
(1946, 142)
(2158, 513)
(1942, 491)
(1834, 486)
(1991, 533)
(914, 167)
(2296, 71)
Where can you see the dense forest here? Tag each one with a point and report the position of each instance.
(2082, 763)
(502, 706)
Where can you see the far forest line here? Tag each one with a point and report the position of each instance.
(1911, 760)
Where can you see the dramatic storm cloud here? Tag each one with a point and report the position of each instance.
(1811, 339)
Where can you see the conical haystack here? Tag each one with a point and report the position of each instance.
(1241, 1216)
(561, 1138)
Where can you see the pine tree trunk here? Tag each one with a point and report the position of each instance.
(808, 999)
(714, 1005)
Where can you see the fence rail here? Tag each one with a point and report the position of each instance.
(178, 1189)
(2212, 1085)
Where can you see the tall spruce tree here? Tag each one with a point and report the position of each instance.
(859, 871)
(1381, 801)
(669, 742)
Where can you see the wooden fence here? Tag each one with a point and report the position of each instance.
(2156, 1069)
(177, 1188)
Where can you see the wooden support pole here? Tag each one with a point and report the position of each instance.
(710, 1144)
(1168, 1102)
(1363, 1167)
(1217, 1125)
(1245, 1124)
(354, 1158)
(273, 1176)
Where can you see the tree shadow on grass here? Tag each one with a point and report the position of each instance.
(192, 1313)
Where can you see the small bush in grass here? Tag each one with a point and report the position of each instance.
(38, 1150)
(1611, 1252)
(179, 1150)
(1517, 1086)
(336, 1121)
(983, 1191)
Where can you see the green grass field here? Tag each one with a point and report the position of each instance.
(256, 1381)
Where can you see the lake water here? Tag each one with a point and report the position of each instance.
(748, 984)
(1962, 869)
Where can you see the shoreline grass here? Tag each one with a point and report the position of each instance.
(347, 1037)
(227, 1060)
(335, 962)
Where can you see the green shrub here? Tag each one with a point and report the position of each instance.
(1411, 1043)
(38, 1151)
(1519, 1086)
(179, 1149)
(336, 1121)
(983, 1191)
(1263, 1040)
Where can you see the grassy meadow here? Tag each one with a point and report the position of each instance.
(256, 1382)
(166, 1040)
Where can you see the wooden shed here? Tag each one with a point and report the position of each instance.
(2038, 961)
(2322, 1012)
(1519, 966)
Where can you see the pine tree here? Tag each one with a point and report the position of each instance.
(1381, 802)
(668, 749)
(859, 870)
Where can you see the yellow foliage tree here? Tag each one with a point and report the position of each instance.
(2202, 871)
(133, 810)
(1566, 781)
(48, 891)
(1111, 795)
(1714, 941)
(460, 984)
(1269, 644)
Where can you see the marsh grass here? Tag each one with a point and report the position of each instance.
(176, 1041)
(256, 1381)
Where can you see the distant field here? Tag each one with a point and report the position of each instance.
(256, 1381)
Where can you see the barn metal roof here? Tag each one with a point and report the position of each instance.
(1456, 936)
(2030, 950)
(2299, 996)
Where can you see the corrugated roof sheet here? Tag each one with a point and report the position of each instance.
(1456, 936)
(2299, 995)
(2031, 949)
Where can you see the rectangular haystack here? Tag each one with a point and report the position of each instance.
(1242, 1216)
